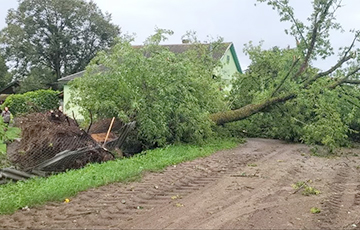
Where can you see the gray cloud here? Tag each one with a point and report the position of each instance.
(238, 21)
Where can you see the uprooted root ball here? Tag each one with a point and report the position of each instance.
(43, 135)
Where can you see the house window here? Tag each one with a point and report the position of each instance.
(227, 59)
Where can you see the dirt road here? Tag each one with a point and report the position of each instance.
(246, 187)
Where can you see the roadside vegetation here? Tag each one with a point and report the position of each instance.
(9, 135)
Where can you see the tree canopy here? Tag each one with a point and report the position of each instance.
(4, 74)
(59, 37)
(169, 95)
(289, 97)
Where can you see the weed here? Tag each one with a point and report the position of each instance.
(298, 184)
(252, 165)
(307, 190)
(315, 210)
(310, 191)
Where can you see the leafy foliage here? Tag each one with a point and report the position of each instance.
(62, 36)
(318, 114)
(283, 95)
(38, 78)
(169, 95)
(34, 101)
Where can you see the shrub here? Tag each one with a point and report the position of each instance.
(34, 101)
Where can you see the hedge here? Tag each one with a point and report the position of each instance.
(33, 101)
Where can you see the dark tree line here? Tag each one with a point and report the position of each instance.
(45, 40)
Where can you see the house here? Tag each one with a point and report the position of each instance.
(226, 54)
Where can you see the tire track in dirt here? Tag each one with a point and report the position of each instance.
(341, 203)
(334, 203)
(214, 212)
(355, 192)
(269, 194)
(195, 184)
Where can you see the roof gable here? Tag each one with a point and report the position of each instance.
(10, 88)
(179, 48)
(236, 60)
(72, 76)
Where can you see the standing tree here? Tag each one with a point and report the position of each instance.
(5, 76)
(62, 36)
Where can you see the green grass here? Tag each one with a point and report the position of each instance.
(2, 149)
(12, 133)
(38, 191)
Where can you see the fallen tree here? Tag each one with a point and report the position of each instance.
(312, 42)
(246, 111)
(283, 95)
(175, 97)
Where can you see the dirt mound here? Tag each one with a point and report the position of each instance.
(43, 135)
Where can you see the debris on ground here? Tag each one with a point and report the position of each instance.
(44, 135)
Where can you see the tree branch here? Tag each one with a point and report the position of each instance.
(353, 82)
(286, 76)
(247, 110)
(346, 57)
(346, 80)
(91, 121)
(291, 15)
(314, 35)
(329, 71)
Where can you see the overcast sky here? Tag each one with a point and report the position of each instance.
(237, 21)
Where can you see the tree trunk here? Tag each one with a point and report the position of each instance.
(246, 111)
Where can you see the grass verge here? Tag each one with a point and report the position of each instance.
(38, 191)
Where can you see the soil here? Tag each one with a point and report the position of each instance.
(103, 125)
(248, 187)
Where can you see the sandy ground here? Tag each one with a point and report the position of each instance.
(248, 187)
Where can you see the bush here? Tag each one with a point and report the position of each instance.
(34, 101)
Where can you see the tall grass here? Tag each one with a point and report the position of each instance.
(37, 191)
